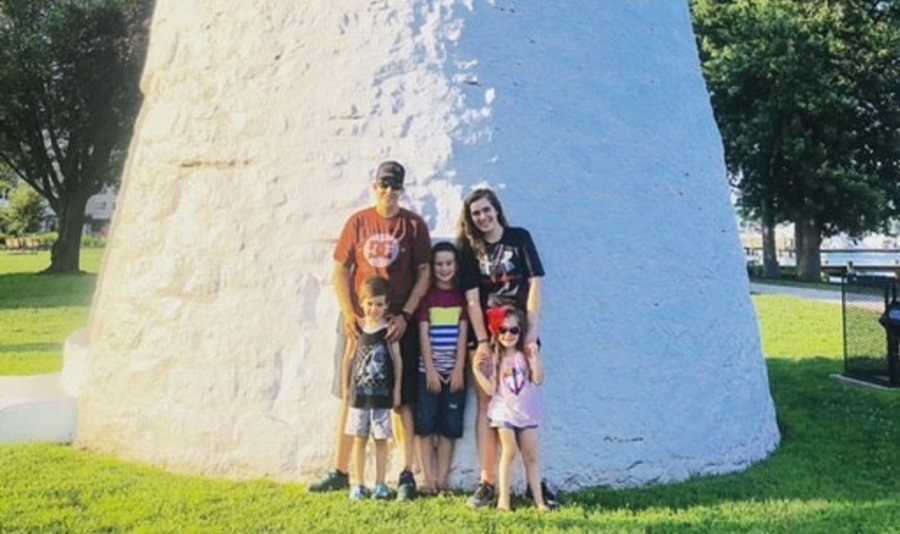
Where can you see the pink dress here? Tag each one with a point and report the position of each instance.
(517, 401)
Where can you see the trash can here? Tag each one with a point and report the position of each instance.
(890, 320)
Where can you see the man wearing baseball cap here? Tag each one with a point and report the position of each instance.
(391, 242)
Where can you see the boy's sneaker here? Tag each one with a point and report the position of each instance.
(358, 493)
(406, 486)
(484, 496)
(333, 481)
(382, 492)
(550, 498)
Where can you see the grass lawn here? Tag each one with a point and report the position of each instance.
(835, 471)
(38, 312)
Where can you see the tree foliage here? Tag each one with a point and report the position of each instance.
(7, 180)
(807, 97)
(69, 95)
(24, 213)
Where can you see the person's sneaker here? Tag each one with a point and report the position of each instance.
(382, 492)
(406, 486)
(484, 496)
(358, 493)
(333, 481)
(550, 498)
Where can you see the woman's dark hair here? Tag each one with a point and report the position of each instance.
(446, 246)
(470, 239)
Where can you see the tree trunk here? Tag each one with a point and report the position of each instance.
(808, 238)
(770, 253)
(65, 256)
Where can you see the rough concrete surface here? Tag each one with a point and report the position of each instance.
(212, 328)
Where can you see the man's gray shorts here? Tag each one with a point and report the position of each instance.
(362, 422)
(339, 348)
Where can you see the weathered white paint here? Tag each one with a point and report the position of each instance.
(213, 324)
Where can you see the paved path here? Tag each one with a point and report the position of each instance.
(820, 295)
(17, 389)
(799, 292)
(36, 409)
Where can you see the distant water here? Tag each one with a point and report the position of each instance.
(867, 258)
(862, 259)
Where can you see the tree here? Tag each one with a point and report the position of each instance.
(805, 93)
(24, 213)
(69, 96)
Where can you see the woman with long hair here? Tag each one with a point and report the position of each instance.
(500, 268)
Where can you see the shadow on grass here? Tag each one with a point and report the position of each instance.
(21, 290)
(839, 443)
(28, 347)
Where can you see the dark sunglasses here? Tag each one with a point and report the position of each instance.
(514, 330)
(390, 184)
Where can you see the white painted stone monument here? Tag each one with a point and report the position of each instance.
(210, 343)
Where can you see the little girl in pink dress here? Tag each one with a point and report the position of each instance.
(516, 409)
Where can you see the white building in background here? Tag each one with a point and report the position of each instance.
(99, 212)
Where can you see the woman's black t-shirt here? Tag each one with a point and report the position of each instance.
(503, 271)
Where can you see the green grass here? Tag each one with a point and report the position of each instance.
(38, 312)
(865, 344)
(835, 471)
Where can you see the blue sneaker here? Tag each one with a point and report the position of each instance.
(358, 493)
(382, 493)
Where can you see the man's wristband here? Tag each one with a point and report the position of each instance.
(406, 316)
(480, 341)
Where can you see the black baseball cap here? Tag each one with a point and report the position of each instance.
(391, 172)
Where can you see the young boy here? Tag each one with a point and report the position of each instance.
(372, 372)
(442, 388)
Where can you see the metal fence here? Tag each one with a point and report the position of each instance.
(866, 345)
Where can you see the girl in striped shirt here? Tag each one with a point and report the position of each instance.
(443, 331)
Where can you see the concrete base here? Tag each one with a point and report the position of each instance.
(75, 357)
(36, 409)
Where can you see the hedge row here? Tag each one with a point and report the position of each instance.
(45, 241)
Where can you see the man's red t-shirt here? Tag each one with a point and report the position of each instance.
(393, 248)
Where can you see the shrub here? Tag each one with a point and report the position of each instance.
(25, 211)
(46, 239)
(93, 241)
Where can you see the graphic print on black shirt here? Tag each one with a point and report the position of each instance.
(372, 374)
(497, 265)
(502, 273)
